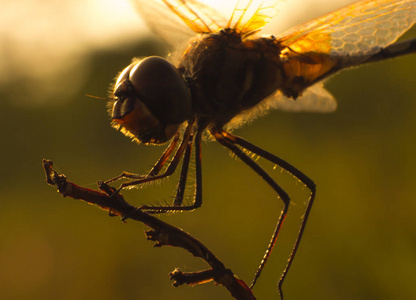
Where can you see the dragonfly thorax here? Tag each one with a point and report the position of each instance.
(228, 75)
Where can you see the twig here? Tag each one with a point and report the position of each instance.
(161, 233)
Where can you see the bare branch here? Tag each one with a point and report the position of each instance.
(161, 233)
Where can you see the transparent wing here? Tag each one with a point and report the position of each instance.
(250, 16)
(314, 99)
(160, 19)
(198, 16)
(191, 16)
(176, 21)
(355, 32)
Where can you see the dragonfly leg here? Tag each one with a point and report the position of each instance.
(224, 139)
(171, 167)
(296, 173)
(156, 168)
(197, 202)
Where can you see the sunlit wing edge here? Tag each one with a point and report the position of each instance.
(199, 17)
(334, 33)
(315, 99)
(251, 16)
(160, 20)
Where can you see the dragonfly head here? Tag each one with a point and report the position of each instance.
(151, 101)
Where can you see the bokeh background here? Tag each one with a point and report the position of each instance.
(360, 242)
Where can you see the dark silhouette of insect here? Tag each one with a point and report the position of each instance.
(228, 74)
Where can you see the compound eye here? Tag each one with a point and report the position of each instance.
(124, 75)
(163, 89)
(151, 100)
(124, 99)
(122, 107)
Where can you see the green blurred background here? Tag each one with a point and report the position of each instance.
(360, 242)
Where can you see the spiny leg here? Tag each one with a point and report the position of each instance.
(156, 168)
(222, 137)
(182, 182)
(180, 190)
(165, 156)
(299, 175)
(172, 166)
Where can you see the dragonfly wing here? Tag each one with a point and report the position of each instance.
(191, 16)
(199, 17)
(355, 32)
(250, 16)
(314, 99)
(347, 37)
(176, 21)
(160, 19)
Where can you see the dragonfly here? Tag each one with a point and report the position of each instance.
(224, 73)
